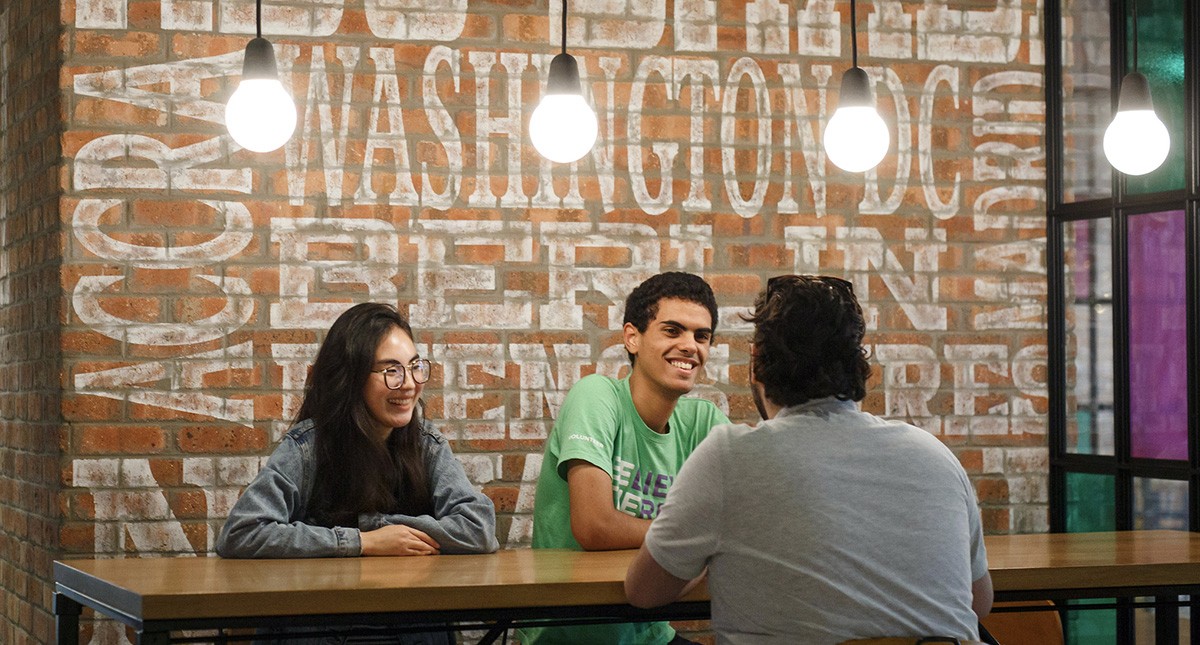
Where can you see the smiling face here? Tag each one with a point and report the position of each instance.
(389, 408)
(671, 352)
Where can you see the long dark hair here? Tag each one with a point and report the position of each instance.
(354, 472)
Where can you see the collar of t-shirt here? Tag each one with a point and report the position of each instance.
(819, 407)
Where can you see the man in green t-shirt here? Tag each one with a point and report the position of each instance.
(617, 445)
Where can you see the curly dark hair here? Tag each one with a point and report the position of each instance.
(808, 333)
(642, 305)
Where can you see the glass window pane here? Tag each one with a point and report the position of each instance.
(1160, 57)
(1091, 502)
(1091, 626)
(1158, 504)
(1091, 506)
(1158, 335)
(1087, 279)
(1144, 626)
(1086, 99)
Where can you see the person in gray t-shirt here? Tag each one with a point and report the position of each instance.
(823, 523)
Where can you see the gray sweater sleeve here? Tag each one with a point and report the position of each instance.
(266, 521)
(463, 520)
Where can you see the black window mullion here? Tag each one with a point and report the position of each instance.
(1122, 441)
(1084, 209)
(1056, 371)
(1118, 30)
(1054, 108)
(1191, 75)
(1121, 429)
(1151, 202)
(1191, 102)
(1192, 213)
(1056, 305)
(1160, 469)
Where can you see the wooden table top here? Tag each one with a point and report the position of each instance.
(207, 587)
(1093, 560)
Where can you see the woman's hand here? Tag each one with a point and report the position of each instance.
(397, 539)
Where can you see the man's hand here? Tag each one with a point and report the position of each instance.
(647, 584)
(397, 539)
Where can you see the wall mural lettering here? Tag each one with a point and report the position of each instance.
(410, 180)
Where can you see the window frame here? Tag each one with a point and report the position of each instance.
(1118, 208)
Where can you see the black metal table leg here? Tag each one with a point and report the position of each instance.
(1193, 604)
(495, 632)
(66, 619)
(153, 636)
(1166, 619)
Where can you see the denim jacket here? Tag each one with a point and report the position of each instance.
(271, 518)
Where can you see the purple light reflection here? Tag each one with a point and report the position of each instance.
(1157, 336)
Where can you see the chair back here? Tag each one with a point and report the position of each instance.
(1019, 627)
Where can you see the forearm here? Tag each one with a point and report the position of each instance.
(463, 520)
(457, 533)
(982, 595)
(265, 522)
(608, 530)
(255, 539)
(596, 523)
(648, 584)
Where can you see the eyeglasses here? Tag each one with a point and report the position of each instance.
(393, 377)
(778, 282)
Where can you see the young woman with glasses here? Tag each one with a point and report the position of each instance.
(360, 473)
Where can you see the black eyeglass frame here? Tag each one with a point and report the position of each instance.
(404, 371)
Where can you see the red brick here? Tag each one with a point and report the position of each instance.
(504, 497)
(120, 439)
(188, 504)
(219, 439)
(80, 407)
(991, 491)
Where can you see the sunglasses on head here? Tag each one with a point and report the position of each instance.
(780, 281)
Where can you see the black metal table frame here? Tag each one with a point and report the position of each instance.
(1167, 601)
(69, 604)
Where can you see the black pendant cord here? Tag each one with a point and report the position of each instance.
(853, 36)
(1135, 36)
(564, 26)
(258, 19)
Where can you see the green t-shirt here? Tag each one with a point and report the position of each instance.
(599, 424)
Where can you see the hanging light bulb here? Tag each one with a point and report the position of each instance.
(260, 114)
(1136, 142)
(563, 126)
(856, 138)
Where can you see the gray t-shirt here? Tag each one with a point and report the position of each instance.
(825, 524)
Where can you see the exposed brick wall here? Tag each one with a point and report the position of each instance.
(199, 278)
(30, 307)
